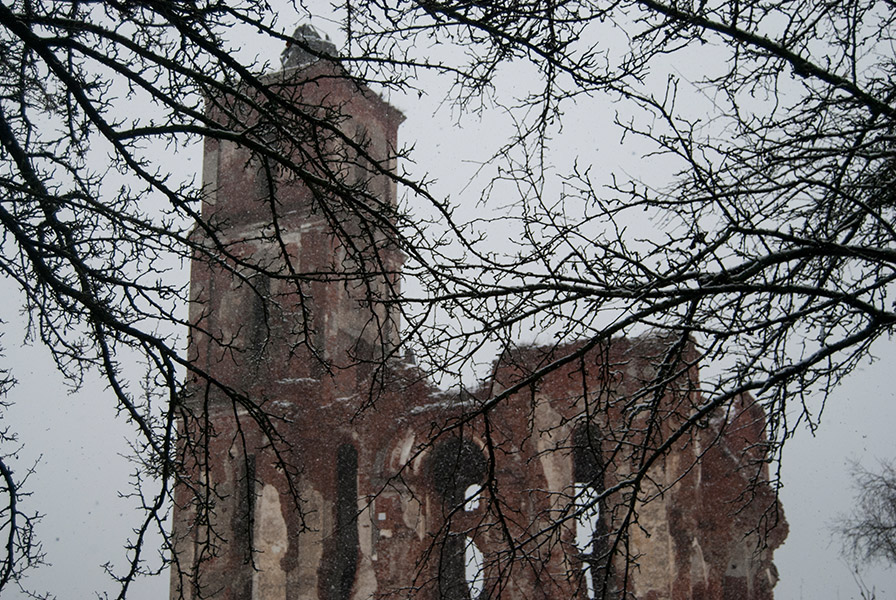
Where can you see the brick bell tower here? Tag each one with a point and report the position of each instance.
(287, 323)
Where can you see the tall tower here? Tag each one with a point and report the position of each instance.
(289, 316)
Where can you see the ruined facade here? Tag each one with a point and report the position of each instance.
(350, 481)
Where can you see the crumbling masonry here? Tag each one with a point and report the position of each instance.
(405, 494)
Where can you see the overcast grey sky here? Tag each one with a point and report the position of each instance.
(77, 443)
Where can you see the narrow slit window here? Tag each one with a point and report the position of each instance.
(345, 560)
(590, 534)
(474, 569)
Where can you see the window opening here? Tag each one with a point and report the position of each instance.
(345, 559)
(590, 534)
(458, 469)
(472, 497)
(474, 571)
(456, 466)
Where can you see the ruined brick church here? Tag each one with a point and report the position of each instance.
(358, 481)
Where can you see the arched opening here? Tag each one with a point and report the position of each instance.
(458, 469)
(456, 466)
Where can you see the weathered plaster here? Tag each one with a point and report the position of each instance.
(271, 544)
